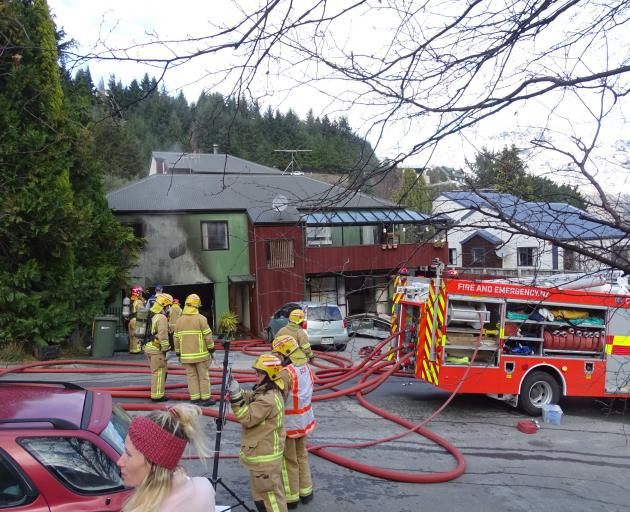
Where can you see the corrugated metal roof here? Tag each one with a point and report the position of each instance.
(559, 220)
(253, 193)
(210, 163)
(364, 217)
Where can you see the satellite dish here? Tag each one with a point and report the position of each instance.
(279, 203)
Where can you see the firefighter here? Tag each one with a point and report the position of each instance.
(137, 303)
(157, 346)
(299, 421)
(158, 289)
(173, 316)
(261, 415)
(194, 347)
(293, 329)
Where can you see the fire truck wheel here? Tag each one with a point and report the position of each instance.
(538, 389)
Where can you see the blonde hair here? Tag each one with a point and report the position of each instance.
(182, 421)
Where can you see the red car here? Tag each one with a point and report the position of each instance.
(58, 448)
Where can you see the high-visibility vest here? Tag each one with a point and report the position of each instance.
(299, 419)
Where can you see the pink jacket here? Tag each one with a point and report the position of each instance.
(192, 494)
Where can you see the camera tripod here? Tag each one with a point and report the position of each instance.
(215, 479)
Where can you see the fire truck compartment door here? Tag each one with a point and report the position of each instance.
(618, 351)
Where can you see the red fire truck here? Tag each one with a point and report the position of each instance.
(535, 344)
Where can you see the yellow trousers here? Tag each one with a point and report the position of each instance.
(296, 471)
(134, 343)
(157, 363)
(267, 486)
(198, 381)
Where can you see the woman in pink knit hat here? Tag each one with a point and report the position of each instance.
(154, 445)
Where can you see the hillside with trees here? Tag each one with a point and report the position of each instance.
(132, 120)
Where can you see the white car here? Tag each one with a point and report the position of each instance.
(324, 324)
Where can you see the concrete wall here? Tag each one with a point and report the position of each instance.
(173, 255)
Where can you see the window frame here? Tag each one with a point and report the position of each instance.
(477, 262)
(269, 244)
(319, 236)
(227, 235)
(31, 493)
(139, 228)
(452, 261)
(63, 480)
(534, 256)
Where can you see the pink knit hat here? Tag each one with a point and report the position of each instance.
(155, 443)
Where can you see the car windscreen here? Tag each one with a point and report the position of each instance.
(78, 463)
(324, 313)
(116, 429)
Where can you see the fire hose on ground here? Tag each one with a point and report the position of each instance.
(372, 372)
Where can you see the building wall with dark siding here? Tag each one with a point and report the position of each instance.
(370, 257)
(274, 287)
(490, 258)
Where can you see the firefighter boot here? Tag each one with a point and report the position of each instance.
(260, 506)
(307, 498)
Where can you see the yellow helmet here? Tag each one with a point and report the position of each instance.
(193, 300)
(162, 301)
(284, 345)
(270, 365)
(296, 316)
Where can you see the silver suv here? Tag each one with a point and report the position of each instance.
(324, 324)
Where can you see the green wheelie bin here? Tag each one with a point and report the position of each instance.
(103, 336)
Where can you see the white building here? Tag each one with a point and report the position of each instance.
(480, 241)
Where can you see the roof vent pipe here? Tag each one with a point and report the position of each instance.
(215, 149)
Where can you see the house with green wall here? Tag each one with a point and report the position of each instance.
(249, 238)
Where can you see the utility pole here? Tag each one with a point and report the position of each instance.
(293, 163)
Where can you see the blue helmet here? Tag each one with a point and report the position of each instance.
(158, 288)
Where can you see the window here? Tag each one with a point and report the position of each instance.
(137, 228)
(369, 235)
(526, 256)
(323, 313)
(116, 430)
(285, 310)
(214, 236)
(279, 253)
(77, 462)
(318, 235)
(452, 256)
(478, 256)
(14, 492)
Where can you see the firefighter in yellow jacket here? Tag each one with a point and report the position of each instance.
(194, 347)
(157, 346)
(294, 329)
(299, 421)
(173, 316)
(137, 303)
(261, 415)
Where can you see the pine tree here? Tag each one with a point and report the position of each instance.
(60, 249)
(505, 172)
(36, 252)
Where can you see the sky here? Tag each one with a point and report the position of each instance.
(121, 24)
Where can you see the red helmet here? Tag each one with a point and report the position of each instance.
(137, 290)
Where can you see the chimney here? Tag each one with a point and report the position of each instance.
(215, 149)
